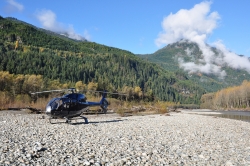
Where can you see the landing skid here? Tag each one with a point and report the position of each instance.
(85, 119)
(104, 111)
(73, 121)
(51, 122)
(67, 120)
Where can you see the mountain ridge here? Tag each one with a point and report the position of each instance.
(171, 56)
(61, 35)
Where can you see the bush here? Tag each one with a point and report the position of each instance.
(4, 100)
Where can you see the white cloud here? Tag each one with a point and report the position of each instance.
(13, 6)
(195, 25)
(207, 68)
(87, 35)
(231, 59)
(48, 20)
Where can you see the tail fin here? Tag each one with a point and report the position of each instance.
(104, 95)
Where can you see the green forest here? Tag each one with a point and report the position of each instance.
(26, 50)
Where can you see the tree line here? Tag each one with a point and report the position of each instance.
(18, 88)
(231, 98)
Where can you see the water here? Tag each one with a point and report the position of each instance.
(238, 115)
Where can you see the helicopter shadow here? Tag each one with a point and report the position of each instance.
(106, 121)
(96, 122)
(75, 121)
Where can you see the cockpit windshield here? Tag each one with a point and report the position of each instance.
(55, 103)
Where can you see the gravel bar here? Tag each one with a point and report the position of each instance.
(179, 139)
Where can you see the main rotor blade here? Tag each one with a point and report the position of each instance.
(57, 90)
(73, 89)
(105, 92)
(46, 91)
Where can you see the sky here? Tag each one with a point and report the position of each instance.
(145, 26)
(133, 25)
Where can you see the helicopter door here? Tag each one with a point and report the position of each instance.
(74, 103)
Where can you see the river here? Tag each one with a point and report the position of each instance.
(238, 115)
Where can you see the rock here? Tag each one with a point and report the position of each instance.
(166, 114)
(37, 147)
(28, 155)
(201, 156)
(248, 158)
(86, 163)
(91, 161)
(183, 139)
(229, 163)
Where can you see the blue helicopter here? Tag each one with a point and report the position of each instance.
(72, 105)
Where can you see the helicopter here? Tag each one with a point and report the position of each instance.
(72, 105)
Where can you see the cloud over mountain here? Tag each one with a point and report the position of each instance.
(48, 20)
(13, 6)
(195, 25)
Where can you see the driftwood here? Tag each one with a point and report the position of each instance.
(33, 110)
(171, 109)
(14, 108)
(138, 109)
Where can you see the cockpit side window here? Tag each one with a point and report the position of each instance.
(72, 96)
(81, 98)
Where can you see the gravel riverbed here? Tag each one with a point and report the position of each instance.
(179, 139)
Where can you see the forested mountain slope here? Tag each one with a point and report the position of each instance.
(25, 49)
(168, 58)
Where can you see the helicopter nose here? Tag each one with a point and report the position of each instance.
(48, 110)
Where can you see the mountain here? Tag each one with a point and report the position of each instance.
(174, 56)
(63, 35)
(26, 49)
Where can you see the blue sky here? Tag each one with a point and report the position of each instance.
(137, 25)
